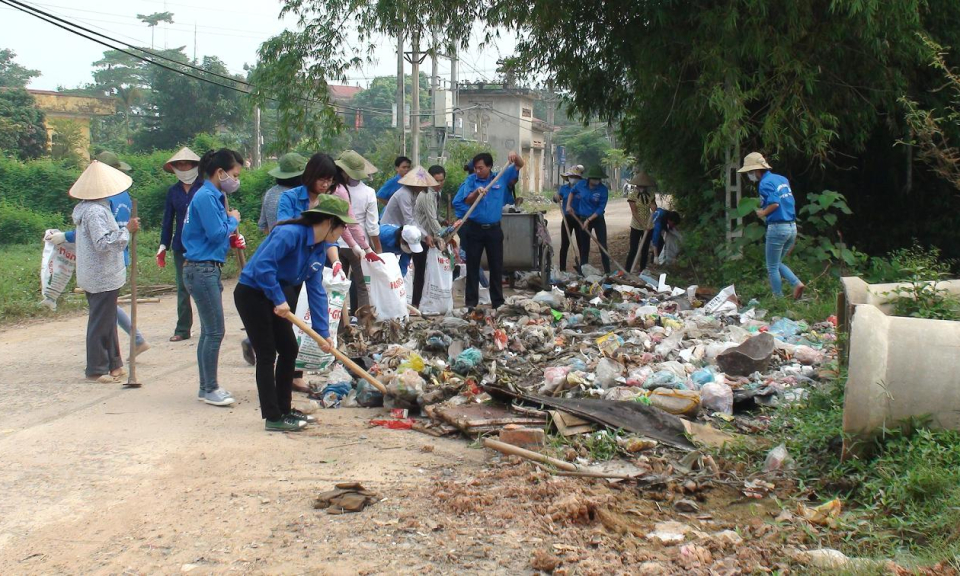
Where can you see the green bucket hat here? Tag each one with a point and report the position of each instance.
(353, 164)
(112, 160)
(332, 206)
(595, 172)
(290, 165)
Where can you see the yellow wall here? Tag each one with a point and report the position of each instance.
(79, 109)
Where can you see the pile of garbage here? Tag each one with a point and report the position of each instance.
(588, 345)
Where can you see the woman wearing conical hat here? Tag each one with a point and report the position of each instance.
(101, 270)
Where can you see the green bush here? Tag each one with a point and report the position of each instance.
(40, 184)
(19, 225)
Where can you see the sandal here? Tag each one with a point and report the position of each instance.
(120, 374)
(178, 338)
(103, 379)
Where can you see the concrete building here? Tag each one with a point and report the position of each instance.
(502, 117)
(78, 110)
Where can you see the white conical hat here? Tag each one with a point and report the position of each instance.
(99, 181)
(182, 154)
(418, 176)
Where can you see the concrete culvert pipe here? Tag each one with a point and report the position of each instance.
(899, 368)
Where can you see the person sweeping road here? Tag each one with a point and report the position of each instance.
(293, 255)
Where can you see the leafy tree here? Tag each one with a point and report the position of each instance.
(380, 97)
(587, 146)
(13, 75)
(67, 141)
(126, 79)
(153, 20)
(616, 159)
(180, 107)
(22, 132)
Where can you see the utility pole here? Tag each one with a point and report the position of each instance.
(400, 97)
(256, 138)
(415, 96)
(454, 86)
(434, 85)
(194, 42)
(551, 110)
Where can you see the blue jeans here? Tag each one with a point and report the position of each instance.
(123, 320)
(780, 239)
(202, 280)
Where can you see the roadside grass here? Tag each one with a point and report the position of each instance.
(20, 278)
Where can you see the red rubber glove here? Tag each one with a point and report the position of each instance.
(373, 257)
(238, 241)
(338, 271)
(162, 258)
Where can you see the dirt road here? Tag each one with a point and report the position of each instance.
(96, 478)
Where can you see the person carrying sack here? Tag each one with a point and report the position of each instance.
(101, 270)
(293, 255)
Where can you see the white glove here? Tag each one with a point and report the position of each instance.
(56, 237)
(161, 250)
(358, 251)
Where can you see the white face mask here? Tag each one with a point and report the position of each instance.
(753, 176)
(187, 176)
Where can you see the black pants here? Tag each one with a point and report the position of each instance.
(275, 344)
(419, 275)
(599, 227)
(637, 249)
(568, 224)
(476, 238)
(103, 344)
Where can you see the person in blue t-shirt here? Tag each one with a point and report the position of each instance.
(569, 225)
(120, 205)
(481, 232)
(292, 255)
(402, 165)
(209, 230)
(588, 201)
(778, 208)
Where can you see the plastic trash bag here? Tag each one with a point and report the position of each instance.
(467, 361)
(437, 284)
(662, 379)
(717, 397)
(310, 357)
(608, 371)
(56, 268)
(386, 287)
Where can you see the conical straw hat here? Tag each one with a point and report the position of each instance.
(183, 154)
(418, 176)
(99, 181)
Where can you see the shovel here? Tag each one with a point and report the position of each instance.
(350, 364)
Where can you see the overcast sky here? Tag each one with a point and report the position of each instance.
(231, 30)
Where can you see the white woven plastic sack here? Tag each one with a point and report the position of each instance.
(438, 284)
(310, 356)
(387, 290)
(56, 269)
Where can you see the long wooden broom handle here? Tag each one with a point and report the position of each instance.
(350, 364)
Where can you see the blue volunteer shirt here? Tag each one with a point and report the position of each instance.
(174, 212)
(390, 242)
(120, 205)
(589, 201)
(290, 255)
(292, 203)
(490, 209)
(775, 189)
(564, 193)
(659, 223)
(206, 227)
(389, 188)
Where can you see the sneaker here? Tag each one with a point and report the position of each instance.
(218, 397)
(248, 353)
(298, 415)
(284, 424)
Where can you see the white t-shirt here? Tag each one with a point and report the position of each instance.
(363, 201)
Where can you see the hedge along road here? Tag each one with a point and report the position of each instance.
(96, 478)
